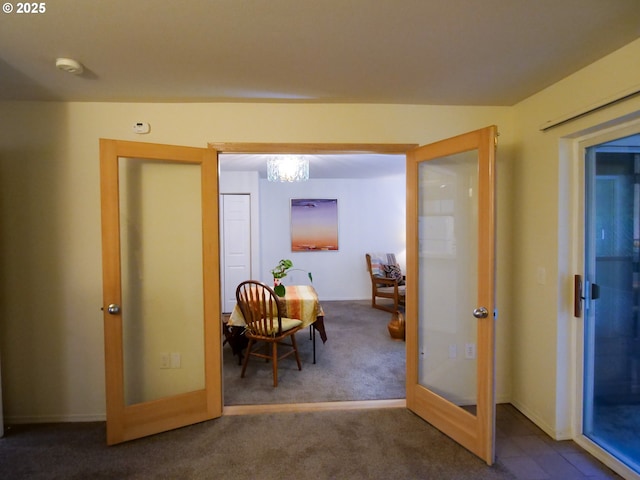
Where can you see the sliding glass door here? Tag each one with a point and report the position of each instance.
(611, 382)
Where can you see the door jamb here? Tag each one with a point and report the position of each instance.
(311, 149)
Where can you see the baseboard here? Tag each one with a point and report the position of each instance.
(18, 419)
(536, 419)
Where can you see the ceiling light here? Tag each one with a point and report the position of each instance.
(69, 65)
(288, 168)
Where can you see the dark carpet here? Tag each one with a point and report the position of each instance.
(349, 444)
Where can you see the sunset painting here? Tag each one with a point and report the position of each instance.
(314, 224)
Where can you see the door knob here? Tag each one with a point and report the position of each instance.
(113, 309)
(481, 312)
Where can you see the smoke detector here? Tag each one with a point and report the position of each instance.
(69, 65)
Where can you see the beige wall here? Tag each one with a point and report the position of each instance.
(50, 282)
(50, 287)
(543, 342)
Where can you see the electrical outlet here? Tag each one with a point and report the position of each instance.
(453, 350)
(175, 360)
(165, 360)
(470, 350)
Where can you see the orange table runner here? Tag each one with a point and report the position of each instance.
(301, 302)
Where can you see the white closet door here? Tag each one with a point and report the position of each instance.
(236, 245)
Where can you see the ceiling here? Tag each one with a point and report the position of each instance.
(439, 52)
(435, 52)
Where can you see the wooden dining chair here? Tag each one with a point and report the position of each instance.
(265, 325)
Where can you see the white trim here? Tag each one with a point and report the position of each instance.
(594, 107)
(540, 423)
(609, 460)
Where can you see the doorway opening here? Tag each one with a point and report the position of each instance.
(332, 159)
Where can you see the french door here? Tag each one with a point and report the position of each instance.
(161, 289)
(451, 282)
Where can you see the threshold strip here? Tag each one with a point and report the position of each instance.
(312, 407)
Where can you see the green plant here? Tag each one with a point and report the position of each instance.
(280, 271)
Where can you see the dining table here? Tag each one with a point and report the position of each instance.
(300, 302)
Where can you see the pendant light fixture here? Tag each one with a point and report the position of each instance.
(288, 168)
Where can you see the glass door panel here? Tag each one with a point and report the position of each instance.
(448, 273)
(451, 287)
(161, 287)
(611, 397)
(162, 290)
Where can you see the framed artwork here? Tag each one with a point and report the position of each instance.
(314, 224)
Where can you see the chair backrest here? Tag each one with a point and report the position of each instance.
(377, 261)
(260, 308)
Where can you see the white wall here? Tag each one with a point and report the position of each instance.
(371, 218)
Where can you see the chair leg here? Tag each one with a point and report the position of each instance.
(274, 357)
(295, 349)
(246, 358)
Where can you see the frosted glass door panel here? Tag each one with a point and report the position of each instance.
(448, 273)
(162, 287)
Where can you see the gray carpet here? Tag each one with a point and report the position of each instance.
(348, 444)
(359, 361)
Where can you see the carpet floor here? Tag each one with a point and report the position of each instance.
(359, 361)
(349, 444)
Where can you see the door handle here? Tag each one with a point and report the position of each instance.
(577, 296)
(481, 312)
(113, 309)
(593, 291)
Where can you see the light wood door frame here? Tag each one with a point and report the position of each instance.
(126, 422)
(312, 148)
(475, 432)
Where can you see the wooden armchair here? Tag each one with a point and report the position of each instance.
(387, 280)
